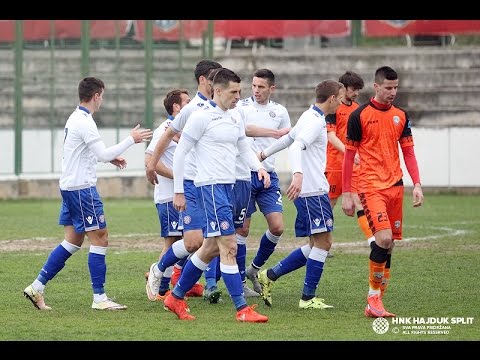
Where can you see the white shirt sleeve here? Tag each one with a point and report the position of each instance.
(247, 153)
(295, 156)
(105, 154)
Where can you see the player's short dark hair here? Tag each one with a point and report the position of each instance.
(353, 80)
(265, 74)
(385, 72)
(173, 97)
(223, 76)
(88, 87)
(204, 67)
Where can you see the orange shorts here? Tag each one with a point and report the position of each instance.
(334, 178)
(384, 210)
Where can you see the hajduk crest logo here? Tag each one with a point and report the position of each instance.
(398, 23)
(166, 25)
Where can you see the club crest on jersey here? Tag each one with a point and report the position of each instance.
(187, 219)
(329, 222)
(101, 219)
(397, 224)
(396, 119)
(272, 114)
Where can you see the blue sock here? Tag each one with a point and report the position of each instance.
(168, 259)
(295, 260)
(211, 273)
(314, 271)
(266, 248)
(98, 271)
(241, 259)
(191, 273)
(55, 262)
(233, 282)
(164, 285)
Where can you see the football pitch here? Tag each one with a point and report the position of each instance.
(433, 288)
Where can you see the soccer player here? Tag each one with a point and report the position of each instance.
(376, 130)
(261, 111)
(242, 196)
(217, 134)
(82, 212)
(171, 222)
(337, 133)
(309, 191)
(193, 216)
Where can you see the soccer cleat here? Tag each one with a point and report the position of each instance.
(212, 295)
(375, 307)
(108, 304)
(36, 298)
(153, 284)
(178, 306)
(247, 292)
(314, 303)
(368, 313)
(267, 286)
(195, 291)
(248, 314)
(251, 274)
(162, 297)
(175, 275)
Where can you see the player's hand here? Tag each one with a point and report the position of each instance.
(151, 174)
(356, 159)
(179, 202)
(265, 176)
(417, 196)
(119, 162)
(295, 187)
(348, 206)
(281, 132)
(140, 135)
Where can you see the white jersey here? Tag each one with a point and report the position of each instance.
(215, 135)
(242, 170)
(163, 191)
(79, 162)
(271, 116)
(199, 101)
(311, 131)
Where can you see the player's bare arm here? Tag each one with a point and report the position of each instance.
(160, 148)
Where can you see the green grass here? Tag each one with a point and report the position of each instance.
(434, 274)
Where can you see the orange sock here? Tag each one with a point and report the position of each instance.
(375, 276)
(363, 223)
(385, 280)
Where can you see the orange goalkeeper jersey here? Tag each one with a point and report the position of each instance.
(338, 123)
(375, 133)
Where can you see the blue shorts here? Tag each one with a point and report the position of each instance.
(171, 221)
(314, 215)
(241, 198)
(83, 209)
(194, 215)
(269, 200)
(217, 201)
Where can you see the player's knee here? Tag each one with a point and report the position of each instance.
(277, 229)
